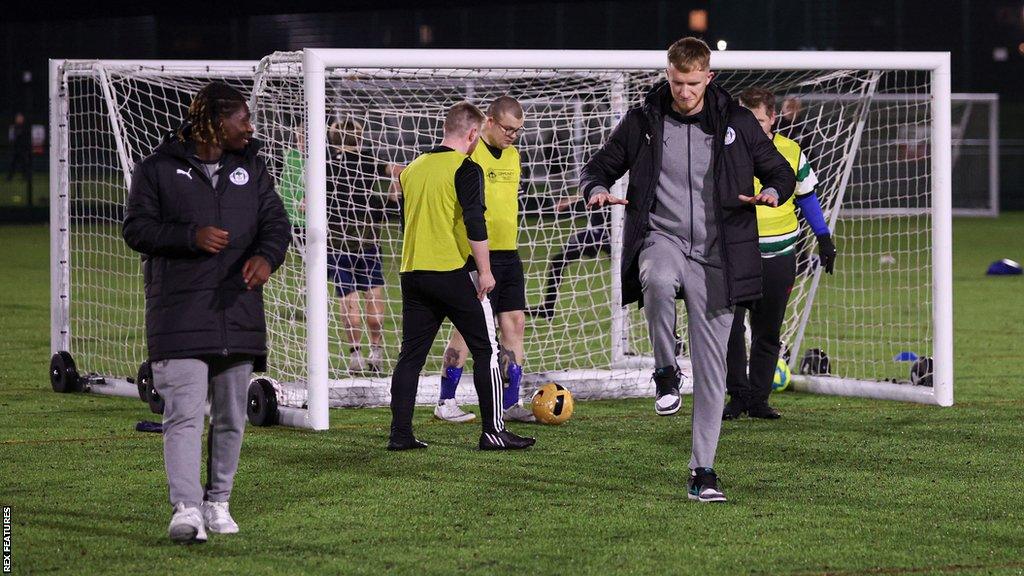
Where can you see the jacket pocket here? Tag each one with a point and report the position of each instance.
(153, 276)
(245, 312)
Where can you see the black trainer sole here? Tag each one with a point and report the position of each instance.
(401, 446)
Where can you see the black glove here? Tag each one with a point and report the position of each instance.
(826, 252)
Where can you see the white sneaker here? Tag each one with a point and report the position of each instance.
(519, 413)
(218, 518)
(450, 411)
(187, 525)
(376, 360)
(668, 403)
(356, 363)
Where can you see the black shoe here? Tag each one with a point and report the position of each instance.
(504, 440)
(667, 400)
(764, 411)
(406, 444)
(703, 486)
(734, 409)
(541, 312)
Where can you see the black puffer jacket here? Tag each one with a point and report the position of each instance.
(741, 152)
(197, 303)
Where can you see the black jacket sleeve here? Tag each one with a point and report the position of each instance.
(275, 231)
(770, 166)
(612, 161)
(469, 188)
(144, 229)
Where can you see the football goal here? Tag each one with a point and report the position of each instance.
(876, 128)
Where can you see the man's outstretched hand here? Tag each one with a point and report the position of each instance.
(762, 199)
(601, 198)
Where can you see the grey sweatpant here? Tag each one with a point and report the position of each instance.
(185, 385)
(664, 271)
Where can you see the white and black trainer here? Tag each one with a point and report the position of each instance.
(667, 399)
(703, 486)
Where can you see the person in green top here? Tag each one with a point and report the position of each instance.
(292, 188)
(778, 232)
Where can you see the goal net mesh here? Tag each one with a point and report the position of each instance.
(865, 132)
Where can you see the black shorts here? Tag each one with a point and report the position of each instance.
(509, 292)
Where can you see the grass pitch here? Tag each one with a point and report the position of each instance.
(838, 486)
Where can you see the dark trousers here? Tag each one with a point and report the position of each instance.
(583, 244)
(777, 276)
(428, 298)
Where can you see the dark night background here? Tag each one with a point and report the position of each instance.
(985, 38)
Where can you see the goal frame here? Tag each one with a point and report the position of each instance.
(316, 63)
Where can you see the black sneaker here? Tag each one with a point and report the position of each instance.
(734, 409)
(764, 411)
(405, 444)
(504, 440)
(667, 400)
(703, 486)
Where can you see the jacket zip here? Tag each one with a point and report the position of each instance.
(220, 259)
(717, 161)
(689, 181)
(655, 155)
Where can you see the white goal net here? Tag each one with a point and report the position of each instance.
(869, 130)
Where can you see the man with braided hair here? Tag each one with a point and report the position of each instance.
(203, 213)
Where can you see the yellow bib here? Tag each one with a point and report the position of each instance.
(780, 220)
(435, 235)
(501, 195)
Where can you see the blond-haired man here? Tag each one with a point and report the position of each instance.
(690, 229)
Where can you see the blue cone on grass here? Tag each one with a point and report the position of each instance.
(1004, 267)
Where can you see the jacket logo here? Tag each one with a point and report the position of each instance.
(730, 136)
(185, 173)
(239, 177)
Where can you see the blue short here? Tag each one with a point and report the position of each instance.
(355, 271)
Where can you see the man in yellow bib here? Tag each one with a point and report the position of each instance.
(500, 162)
(443, 224)
(778, 231)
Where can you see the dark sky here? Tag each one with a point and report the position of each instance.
(985, 37)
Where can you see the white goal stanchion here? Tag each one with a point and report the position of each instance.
(888, 199)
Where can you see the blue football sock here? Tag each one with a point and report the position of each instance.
(511, 394)
(449, 382)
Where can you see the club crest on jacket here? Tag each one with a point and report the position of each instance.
(239, 177)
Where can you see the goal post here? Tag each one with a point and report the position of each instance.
(886, 193)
